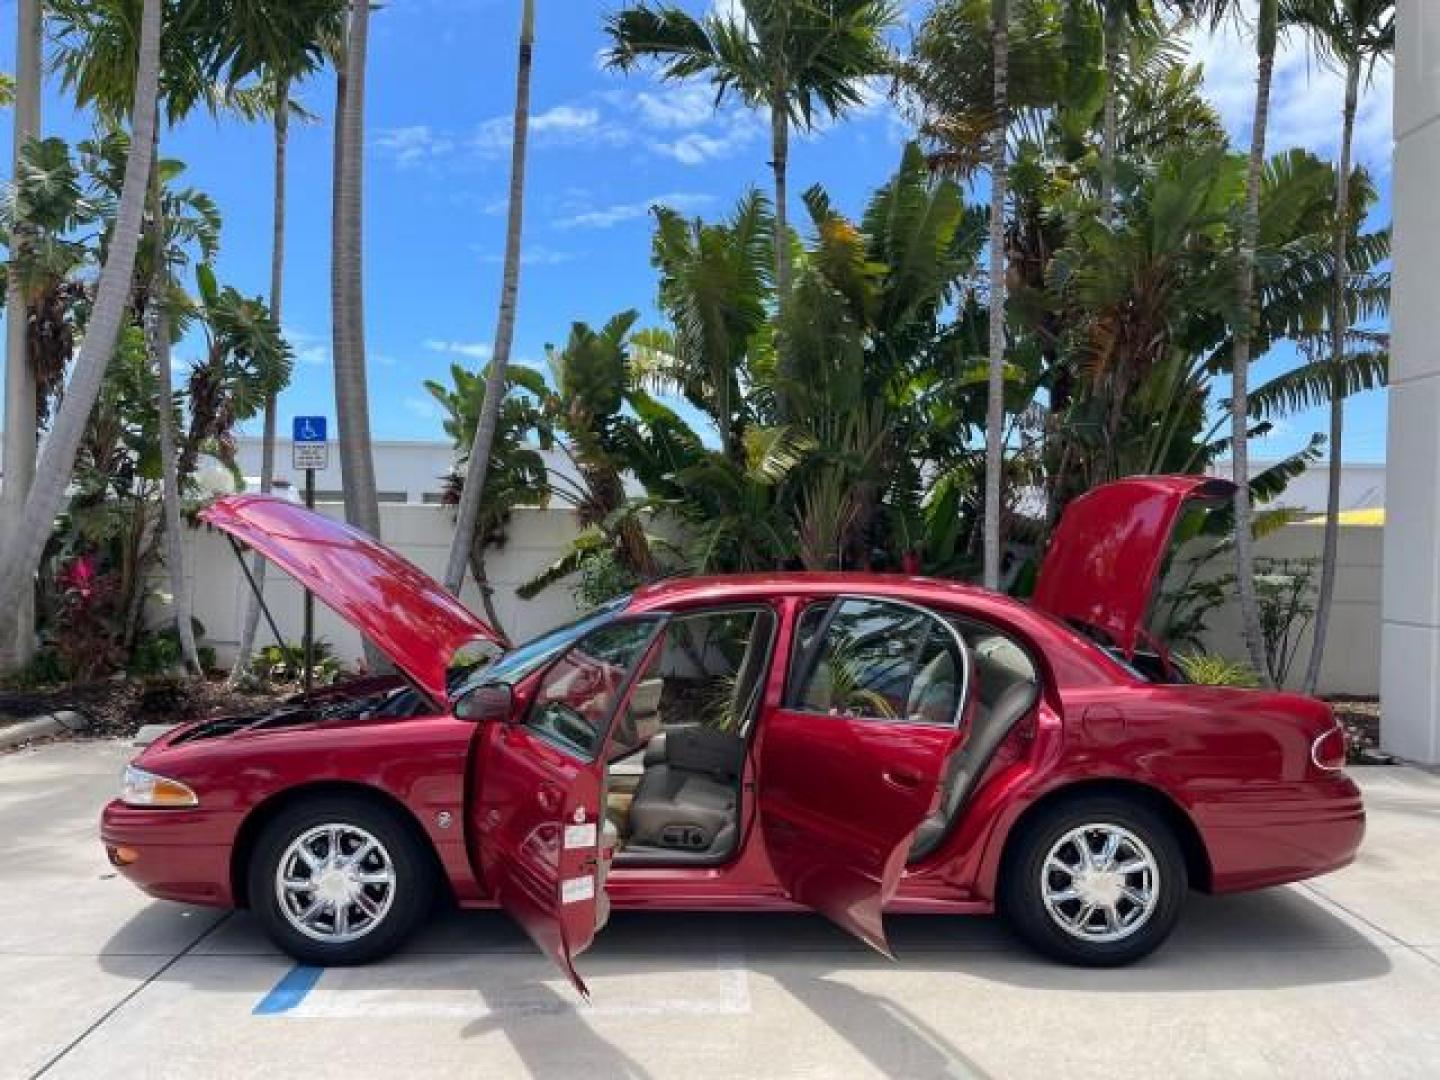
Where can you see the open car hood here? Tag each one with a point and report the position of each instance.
(403, 610)
(1106, 555)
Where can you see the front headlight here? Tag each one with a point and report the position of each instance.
(141, 788)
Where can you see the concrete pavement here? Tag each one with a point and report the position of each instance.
(1337, 978)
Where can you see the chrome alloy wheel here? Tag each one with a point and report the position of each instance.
(335, 883)
(1100, 883)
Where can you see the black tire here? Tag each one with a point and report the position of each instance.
(1021, 887)
(413, 889)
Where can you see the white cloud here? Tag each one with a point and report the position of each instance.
(309, 348)
(675, 106)
(1305, 99)
(565, 118)
(606, 217)
(412, 145)
(561, 125)
(425, 408)
(537, 255)
(475, 350)
(698, 147)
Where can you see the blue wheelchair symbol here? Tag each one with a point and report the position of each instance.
(309, 429)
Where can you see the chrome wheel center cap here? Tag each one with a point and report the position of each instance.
(1100, 887)
(335, 886)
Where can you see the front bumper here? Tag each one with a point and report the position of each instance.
(182, 855)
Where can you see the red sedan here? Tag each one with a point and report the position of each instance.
(850, 743)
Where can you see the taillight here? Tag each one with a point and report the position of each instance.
(1328, 750)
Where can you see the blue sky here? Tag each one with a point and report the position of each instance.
(604, 148)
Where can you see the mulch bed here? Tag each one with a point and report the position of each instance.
(1361, 718)
(119, 708)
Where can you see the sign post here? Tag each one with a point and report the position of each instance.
(309, 450)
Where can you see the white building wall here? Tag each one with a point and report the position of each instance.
(538, 537)
(422, 535)
(1410, 635)
(1352, 649)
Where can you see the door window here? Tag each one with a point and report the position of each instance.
(878, 660)
(706, 671)
(578, 694)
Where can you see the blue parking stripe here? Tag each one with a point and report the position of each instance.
(290, 990)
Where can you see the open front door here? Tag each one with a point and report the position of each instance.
(538, 813)
(853, 762)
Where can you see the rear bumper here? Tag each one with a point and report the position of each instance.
(181, 855)
(1272, 834)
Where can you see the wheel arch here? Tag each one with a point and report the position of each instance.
(1197, 856)
(266, 811)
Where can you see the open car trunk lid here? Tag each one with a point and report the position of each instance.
(1103, 563)
(403, 610)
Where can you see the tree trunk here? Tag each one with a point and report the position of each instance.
(478, 468)
(780, 165)
(1109, 135)
(157, 325)
(1339, 326)
(1239, 399)
(487, 594)
(17, 635)
(267, 440)
(352, 397)
(995, 397)
(20, 556)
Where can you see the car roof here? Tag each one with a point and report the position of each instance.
(1073, 659)
(683, 591)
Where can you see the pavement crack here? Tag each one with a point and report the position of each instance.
(60, 1055)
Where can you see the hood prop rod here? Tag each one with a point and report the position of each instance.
(254, 588)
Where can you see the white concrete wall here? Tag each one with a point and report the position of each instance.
(422, 535)
(537, 537)
(1352, 649)
(1410, 635)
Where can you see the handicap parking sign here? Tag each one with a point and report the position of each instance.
(308, 449)
(309, 429)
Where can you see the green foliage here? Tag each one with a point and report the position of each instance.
(1208, 670)
(799, 57)
(1285, 593)
(286, 663)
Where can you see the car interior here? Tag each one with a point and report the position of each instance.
(1007, 688)
(678, 751)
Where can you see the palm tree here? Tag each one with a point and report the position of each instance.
(17, 638)
(158, 332)
(472, 493)
(26, 541)
(97, 63)
(995, 381)
(1357, 35)
(517, 475)
(787, 56)
(282, 59)
(1267, 30)
(352, 396)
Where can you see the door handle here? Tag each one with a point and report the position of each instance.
(548, 796)
(902, 778)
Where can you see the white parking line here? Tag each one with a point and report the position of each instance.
(512, 987)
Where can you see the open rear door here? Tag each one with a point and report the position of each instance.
(538, 808)
(852, 764)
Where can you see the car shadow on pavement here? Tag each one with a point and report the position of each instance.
(478, 969)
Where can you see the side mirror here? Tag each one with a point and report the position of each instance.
(492, 702)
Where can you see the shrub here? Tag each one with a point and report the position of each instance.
(1207, 670)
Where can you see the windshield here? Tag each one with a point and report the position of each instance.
(524, 659)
